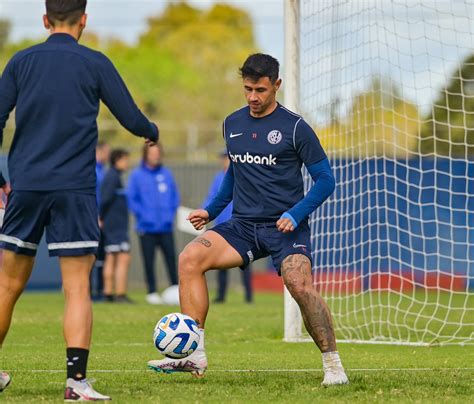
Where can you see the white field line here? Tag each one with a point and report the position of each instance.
(128, 344)
(247, 370)
(393, 343)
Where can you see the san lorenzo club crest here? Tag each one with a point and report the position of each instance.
(274, 137)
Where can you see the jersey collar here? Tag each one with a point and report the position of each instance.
(263, 117)
(61, 38)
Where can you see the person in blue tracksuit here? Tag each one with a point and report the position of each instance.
(114, 219)
(153, 198)
(57, 87)
(226, 214)
(102, 154)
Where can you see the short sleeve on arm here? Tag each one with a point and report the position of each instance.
(307, 144)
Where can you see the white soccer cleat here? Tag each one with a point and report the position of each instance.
(153, 298)
(4, 381)
(196, 364)
(334, 376)
(334, 373)
(82, 391)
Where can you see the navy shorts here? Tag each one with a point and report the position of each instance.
(258, 240)
(116, 243)
(69, 217)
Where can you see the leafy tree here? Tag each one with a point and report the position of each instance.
(213, 44)
(449, 127)
(182, 71)
(380, 123)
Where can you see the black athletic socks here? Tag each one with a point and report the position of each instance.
(76, 363)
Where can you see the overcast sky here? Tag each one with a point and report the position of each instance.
(127, 18)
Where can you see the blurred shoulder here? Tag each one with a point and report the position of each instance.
(238, 114)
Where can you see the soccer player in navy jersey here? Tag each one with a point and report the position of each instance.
(267, 146)
(56, 87)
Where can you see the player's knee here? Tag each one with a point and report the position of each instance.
(11, 286)
(190, 261)
(296, 275)
(296, 286)
(79, 288)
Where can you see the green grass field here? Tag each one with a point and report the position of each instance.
(238, 337)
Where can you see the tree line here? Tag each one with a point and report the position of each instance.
(184, 70)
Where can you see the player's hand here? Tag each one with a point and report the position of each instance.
(285, 225)
(4, 191)
(7, 188)
(199, 218)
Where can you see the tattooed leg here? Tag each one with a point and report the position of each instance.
(204, 241)
(296, 273)
(209, 251)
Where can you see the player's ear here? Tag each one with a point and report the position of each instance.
(46, 23)
(278, 84)
(83, 21)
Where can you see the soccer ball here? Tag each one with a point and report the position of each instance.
(176, 335)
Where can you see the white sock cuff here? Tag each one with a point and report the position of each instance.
(201, 337)
(331, 359)
(330, 354)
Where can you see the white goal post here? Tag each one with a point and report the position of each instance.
(388, 86)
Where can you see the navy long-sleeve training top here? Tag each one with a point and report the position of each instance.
(264, 179)
(56, 87)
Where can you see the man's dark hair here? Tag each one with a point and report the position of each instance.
(65, 11)
(260, 65)
(116, 155)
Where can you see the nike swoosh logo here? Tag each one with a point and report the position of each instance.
(235, 135)
(298, 245)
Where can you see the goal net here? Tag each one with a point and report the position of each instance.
(389, 87)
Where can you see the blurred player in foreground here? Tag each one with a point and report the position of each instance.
(56, 87)
(267, 146)
(113, 212)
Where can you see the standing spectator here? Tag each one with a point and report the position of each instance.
(153, 198)
(223, 275)
(114, 220)
(102, 152)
